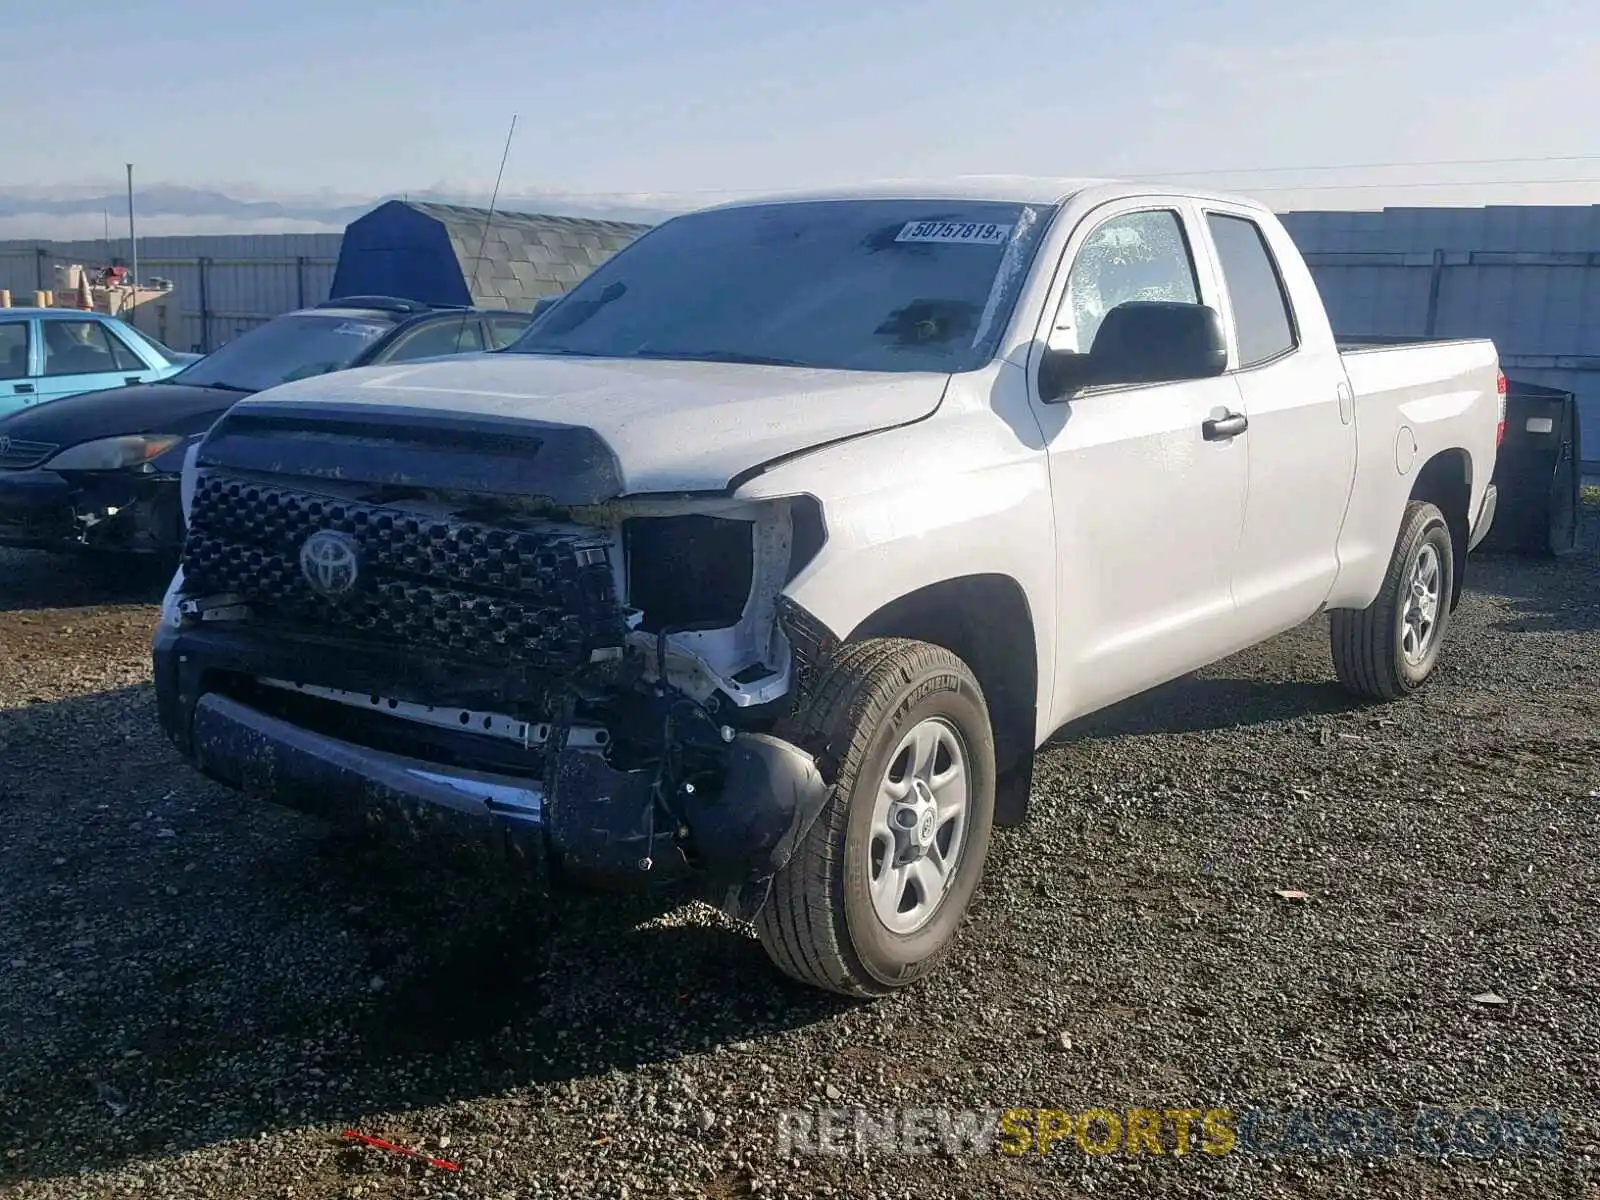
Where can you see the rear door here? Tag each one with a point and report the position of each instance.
(1148, 512)
(1301, 437)
(82, 355)
(18, 385)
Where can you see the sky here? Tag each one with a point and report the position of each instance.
(688, 101)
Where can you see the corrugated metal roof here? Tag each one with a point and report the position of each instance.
(1526, 276)
(526, 255)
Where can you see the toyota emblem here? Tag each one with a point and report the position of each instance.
(329, 562)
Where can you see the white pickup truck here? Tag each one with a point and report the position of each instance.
(774, 550)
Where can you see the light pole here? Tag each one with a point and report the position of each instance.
(133, 240)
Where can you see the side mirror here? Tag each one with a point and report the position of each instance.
(1142, 341)
(1062, 372)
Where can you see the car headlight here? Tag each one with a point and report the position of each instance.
(135, 450)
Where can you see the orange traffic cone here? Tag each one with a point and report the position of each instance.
(85, 299)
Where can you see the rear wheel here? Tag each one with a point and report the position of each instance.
(1390, 648)
(875, 893)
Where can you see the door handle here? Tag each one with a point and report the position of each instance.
(1219, 429)
(133, 379)
(24, 388)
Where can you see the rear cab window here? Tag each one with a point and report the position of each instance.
(1263, 320)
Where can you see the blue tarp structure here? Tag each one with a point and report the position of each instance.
(431, 253)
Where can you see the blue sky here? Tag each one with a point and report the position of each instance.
(695, 97)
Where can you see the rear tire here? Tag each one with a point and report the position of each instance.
(1390, 648)
(874, 895)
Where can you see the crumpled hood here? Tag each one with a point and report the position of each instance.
(672, 426)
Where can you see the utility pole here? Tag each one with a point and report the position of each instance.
(133, 241)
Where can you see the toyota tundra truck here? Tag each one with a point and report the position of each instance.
(771, 553)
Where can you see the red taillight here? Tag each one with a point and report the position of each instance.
(1501, 387)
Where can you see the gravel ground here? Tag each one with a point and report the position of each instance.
(199, 995)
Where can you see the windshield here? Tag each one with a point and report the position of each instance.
(286, 348)
(865, 285)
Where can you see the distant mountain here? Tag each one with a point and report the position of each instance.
(84, 212)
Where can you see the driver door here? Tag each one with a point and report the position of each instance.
(1148, 511)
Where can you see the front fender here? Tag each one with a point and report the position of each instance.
(948, 498)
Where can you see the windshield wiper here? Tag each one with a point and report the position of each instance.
(727, 356)
(226, 387)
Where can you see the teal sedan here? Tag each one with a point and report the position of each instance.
(47, 353)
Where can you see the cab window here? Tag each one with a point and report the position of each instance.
(1136, 256)
(459, 335)
(505, 330)
(13, 350)
(126, 357)
(1262, 321)
(77, 348)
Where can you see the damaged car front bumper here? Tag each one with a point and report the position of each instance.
(537, 791)
(105, 510)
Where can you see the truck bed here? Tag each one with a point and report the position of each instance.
(1415, 398)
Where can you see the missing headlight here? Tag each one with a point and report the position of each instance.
(688, 571)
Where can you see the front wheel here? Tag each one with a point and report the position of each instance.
(875, 893)
(1390, 648)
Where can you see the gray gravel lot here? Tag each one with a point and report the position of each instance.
(198, 995)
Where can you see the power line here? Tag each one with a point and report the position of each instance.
(1381, 166)
(1438, 183)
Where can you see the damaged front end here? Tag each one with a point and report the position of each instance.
(116, 511)
(596, 681)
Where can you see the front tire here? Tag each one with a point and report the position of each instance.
(874, 895)
(1390, 648)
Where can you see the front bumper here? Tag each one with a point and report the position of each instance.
(101, 510)
(264, 756)
(599, 824)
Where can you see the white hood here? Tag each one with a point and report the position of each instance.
(674, 426)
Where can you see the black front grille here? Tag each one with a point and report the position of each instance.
(18, 455)
(473, 590)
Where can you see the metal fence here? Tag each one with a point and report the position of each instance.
(1526, 276)
(221, 285)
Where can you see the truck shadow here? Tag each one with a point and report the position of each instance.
(1203, 703)
(180, 966)
(1547, 594)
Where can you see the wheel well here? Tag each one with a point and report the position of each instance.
(986, 621)
(1446, 481)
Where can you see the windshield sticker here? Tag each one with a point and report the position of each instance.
(960, 233)
(358, 329)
